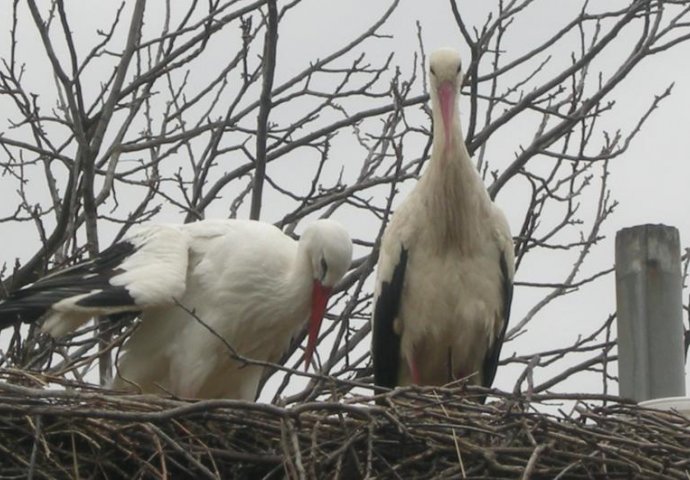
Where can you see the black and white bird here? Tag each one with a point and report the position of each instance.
(446, 265)
(245, 280)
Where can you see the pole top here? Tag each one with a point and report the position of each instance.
(648, 227)
(647, 245)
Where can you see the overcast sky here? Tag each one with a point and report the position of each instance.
(649, 181)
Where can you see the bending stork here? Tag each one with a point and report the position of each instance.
(445, 271)
(246, 281)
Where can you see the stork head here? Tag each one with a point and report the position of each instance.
(329, 249)
(445, 75)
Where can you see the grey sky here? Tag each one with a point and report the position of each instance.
(649, 181)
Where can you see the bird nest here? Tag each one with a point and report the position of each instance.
(411, 433)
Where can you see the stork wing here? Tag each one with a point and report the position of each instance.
(386, 342)
(493, 354)
(146, 269)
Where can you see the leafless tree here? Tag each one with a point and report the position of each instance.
(176, 112)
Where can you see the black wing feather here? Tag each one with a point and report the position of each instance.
(385, 342)
(30, 303)
(493, 354)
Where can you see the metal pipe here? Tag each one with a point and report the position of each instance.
(651, 361)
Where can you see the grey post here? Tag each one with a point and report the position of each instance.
(651, 360)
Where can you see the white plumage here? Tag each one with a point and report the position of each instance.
(247, 281)
(445, 270)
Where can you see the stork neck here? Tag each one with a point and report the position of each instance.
(297, 284)
(459, 202)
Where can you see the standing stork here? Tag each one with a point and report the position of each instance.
(446, 264)
(197, 287)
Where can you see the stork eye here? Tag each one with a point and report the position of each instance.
(459, 68)
(324, 268)
(431, 69)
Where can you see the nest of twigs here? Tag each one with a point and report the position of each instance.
(415, 433)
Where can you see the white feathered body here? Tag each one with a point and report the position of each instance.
(240, 282)
(451, 303)
(211, 295)
(452, 300)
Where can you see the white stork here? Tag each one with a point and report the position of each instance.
(246, 281)
(445, 271)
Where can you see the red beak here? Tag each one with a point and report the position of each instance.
(319, 299)
(446, 96)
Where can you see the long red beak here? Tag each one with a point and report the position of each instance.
(319, 299)
(446, 96)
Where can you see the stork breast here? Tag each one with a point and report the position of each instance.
(451, 301)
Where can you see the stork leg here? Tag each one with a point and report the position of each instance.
(449, 365)
(412, 365)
